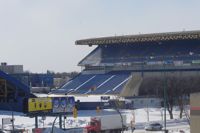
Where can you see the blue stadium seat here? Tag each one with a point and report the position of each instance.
(75, 84)
(96, 83)
(93, 84)
(112, 83)
(151, 51)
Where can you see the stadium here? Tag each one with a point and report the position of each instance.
(119, 65)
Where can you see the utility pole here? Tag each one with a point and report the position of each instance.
(165, 106)
(36, 121)
(13, 127)
(147, 109)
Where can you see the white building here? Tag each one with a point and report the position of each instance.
(11, 69)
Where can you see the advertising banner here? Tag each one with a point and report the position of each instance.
(63, 104)
(39, 104)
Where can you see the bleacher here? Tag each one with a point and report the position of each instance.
(109, 83)
(115, 56)
(186, 50)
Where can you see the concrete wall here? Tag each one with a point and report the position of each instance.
(195, 113)
(132, 87)
(172, 73)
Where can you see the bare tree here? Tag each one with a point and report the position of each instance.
(170, 86)
(178, 87)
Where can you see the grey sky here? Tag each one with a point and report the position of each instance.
(40, 34)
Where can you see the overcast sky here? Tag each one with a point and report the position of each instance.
(41, 34)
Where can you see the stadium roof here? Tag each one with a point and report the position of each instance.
(154, 37)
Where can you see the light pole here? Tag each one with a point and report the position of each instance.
(165, 96)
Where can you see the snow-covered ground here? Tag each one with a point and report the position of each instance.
(141, 118)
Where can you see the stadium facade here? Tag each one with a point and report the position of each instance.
(118, 65)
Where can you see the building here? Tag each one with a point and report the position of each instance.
(195, 113)
(120, 65)
(11, 69)
(29, 79)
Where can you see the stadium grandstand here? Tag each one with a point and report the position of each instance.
(118, 64)
(13, 93)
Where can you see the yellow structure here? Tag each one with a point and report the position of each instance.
(39, 104)
(75, 112)
(195, 113)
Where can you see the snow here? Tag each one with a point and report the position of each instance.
(155, 114)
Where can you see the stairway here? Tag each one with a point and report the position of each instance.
(132, 86)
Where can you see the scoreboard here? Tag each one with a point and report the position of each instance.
(51, 104)
(63, 104)
(39, 104)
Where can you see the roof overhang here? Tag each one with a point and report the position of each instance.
(154, 37)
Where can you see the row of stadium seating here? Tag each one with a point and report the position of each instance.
(151, 49)
(173, 50)
(110, 83)
(151, 58)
